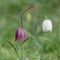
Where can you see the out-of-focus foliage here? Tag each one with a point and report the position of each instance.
(39, 45)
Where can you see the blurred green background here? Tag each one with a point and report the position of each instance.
(45, 46)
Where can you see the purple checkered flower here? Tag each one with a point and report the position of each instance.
(21, 34)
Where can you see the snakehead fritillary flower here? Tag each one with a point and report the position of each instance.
(21, 34)
(47, 25)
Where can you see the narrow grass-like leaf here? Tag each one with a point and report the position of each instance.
(12, 46)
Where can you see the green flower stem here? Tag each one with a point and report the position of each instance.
(23, 51)
(23, 14)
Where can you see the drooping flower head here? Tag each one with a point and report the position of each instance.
(47, 25)
(21, 34)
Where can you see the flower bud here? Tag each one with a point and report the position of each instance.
(21, 34)
(47, 25)
(28, 16)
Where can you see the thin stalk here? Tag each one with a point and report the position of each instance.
(23, 51)
(23, 14)
(41, 58)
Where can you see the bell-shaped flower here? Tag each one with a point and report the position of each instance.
(21, 34)
(47, 25)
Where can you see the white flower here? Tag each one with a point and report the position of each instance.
(47, 25)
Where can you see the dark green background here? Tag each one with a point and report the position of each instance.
(39, 44)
